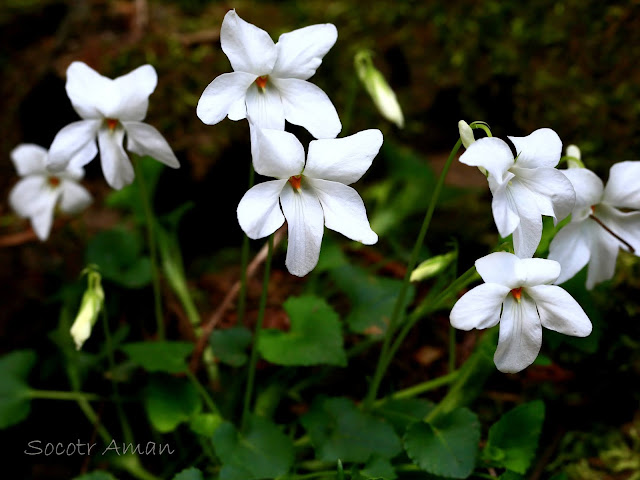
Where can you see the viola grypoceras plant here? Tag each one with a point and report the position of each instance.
(36, 195)
(309, 194)
(110, 108)
(269, 82)
(599, 227)
(518, 294)
(524, 187)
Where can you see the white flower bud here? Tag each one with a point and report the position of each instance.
(90, 307)
(574, 159)
(466, 133)
(374, 82)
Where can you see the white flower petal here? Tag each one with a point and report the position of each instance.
(264, 107)
(26, 196)
(344, 210)
(537, 271)
(134, 89)
(588, 188)
(559, 311)
(623, 186)
(500, 268)
(479, 307)
(492, 154)
(259, 212)
(249, 48)
(527, 236)
(278, 154)
(343, 160)
(92, 95)
(570, 248)
(70, 143)
(624, 224)
(224, 96)
(116, 166)
(74, 197)
(300, 52)
(520, 335)
(42, 220)
(143, 139)
(81, 158)
(306, 226)
(604, 253)
(29, 159)
(554, 193)
(305, 104)
(504, 213)
(541, 148)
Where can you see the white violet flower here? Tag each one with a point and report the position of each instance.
(36, 195)
(518, 295)
(309, 195)
(269, 81)
(110, 109)
(525, 187)
(598, 228)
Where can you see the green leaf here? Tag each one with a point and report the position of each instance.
(15, 401)
(118, 254)
(189, 474)
(230, 345)
(403, 412)
(168, 357)
(205, 424)
(446, 446)
(169, 401)
(97, 475)
(263, 451)
(509, 475)
(516, 434)
(338, 430)
(315, 336)
(372, 298)
(378, 468)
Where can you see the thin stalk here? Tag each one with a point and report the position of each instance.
(58, 395)
(385, 358)
(203, 393)
(155, 272)
(309, 476)
(244, 259)
(452, 348)
(254, 349)
(418, 389)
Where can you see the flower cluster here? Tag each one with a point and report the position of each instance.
(110, 109)
(268, 86)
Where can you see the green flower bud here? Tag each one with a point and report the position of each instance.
(92, 302)
(374, 82)
(466, 133)
(432, 267)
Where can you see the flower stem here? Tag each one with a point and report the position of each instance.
(256, 338)
(59, 395)
(244, 259)
(155, 272)
(385, 355)
(452, 348)
(420, 388)
(203, 393)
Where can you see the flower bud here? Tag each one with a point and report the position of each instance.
(432, 267)
(92, 302)
(573, 157)
(374, 82)
(466, 133)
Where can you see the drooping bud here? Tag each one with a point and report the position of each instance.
(92, 303)
(432, 267)
(466, 133)
(381, 93)
(574, 159)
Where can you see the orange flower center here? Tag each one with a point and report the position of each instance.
(262, 81)
(295, 181)
(53, 181)
(517, 293)
(112, 123)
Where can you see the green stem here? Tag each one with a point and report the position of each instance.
(452, 348)
(244, 258)
(420, 388)
(254, 349)
(308, 476)
(385, 356)
(203, 393)
(58, 395)
(155, 272)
